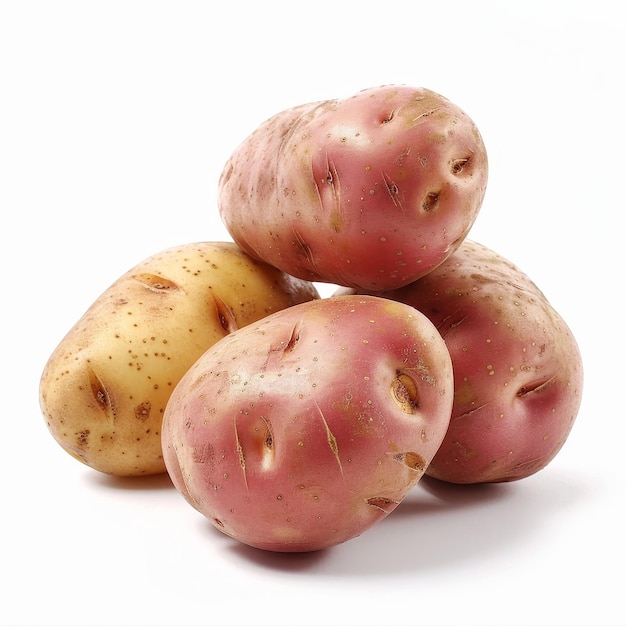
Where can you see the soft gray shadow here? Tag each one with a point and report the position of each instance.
(438, 525)
(285, 561)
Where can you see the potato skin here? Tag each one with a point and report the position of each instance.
(517, 367)
(304, 429)
(104, 388)
(371, 191)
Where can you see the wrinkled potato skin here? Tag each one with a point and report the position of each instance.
(517, 367)
(286, 434)
(371, 191)
(104, 389)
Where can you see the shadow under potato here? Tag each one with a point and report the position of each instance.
(434, 495)
(438, 525)
(154, 482)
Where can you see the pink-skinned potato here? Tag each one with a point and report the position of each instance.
(371, 191)
(302, 430)
(518, 370)
(104, 389)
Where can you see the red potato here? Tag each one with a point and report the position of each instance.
(517, 367)
(371, 191)
(301, 431)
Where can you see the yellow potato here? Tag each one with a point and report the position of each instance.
(104, 389)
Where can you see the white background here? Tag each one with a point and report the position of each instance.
(115, 121)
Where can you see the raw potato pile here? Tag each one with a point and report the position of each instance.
(294, 422)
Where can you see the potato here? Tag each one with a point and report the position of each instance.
(104, 389)
(302, 430)
(371, 191)
(517, 367)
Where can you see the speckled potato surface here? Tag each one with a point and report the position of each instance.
(517, 367)
(370, 191)
(302, 430)
(104, 389)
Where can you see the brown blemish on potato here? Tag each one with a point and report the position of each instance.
(335, 221)
(142, 411)
(404, 392)
(156, 283)
(412, 460)
(82, 438)
(386, 505)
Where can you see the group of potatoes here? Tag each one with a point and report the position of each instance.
(295, 422)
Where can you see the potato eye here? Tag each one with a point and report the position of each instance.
(430, 201)
(388, 117)
(458, 165)
(404, 392)
(101, 393)
(534, 387)
(156, 283)
(225, 315)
